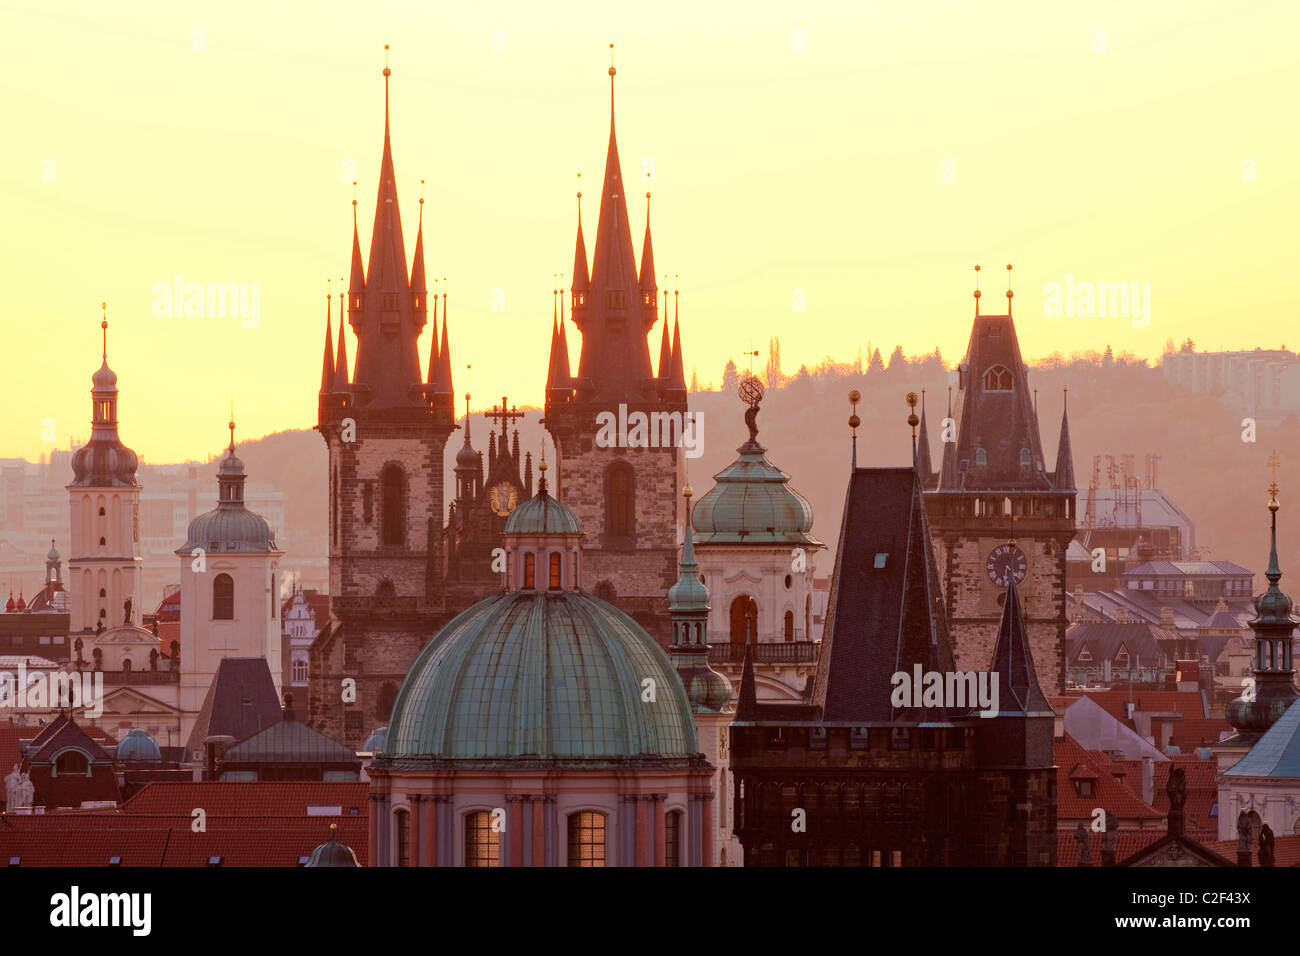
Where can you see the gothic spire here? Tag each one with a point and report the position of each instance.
(327, 367)
(419, 288)
(444, 354)
(1018, 690)
(678, 380)
(341, 363)
(434, 360)
(948, 479)
(923, 448)
(647, 255)
(1063, 479)
(581, 278)
(665, 354)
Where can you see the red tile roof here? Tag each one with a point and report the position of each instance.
(1286, 850)
(11, 734)
(1188, 703)
(1130, 841)
(1074, 762)
(247, 824)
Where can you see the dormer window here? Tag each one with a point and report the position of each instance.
(998, 379)
(1084, 654)
(981, 458)
(1084, 788)
(1024, 458)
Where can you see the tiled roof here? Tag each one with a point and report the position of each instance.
(1103, 641)
(241, 701)
(1129, 842)
(1194, 568)
(1200, 811)
(286, 742)
(1074, 762)
(885, 613)
(1286, 850)
(288, 799)
(1188, 703)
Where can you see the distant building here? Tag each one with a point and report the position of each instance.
(303, 615)
(1262, 383)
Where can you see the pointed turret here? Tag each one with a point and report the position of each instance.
(387, 373)
(357, 276)
(341, 382)
(1018, 691)
(1063, 479)
(688, 606)
(747, 700)
(678, 376)
(444, 387)
(923, 449)
(948, 479)
(419, 288)
(581, 277)
(555, 379)
(665, 355)
(648, 259)
(434, 361)
(327, 368)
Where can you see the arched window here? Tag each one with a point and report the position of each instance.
(789, 625)
(1025, 460)
(605, 591)
(299, 671)
(555, 570)
(71, 762)
(998, 379)
(386, 591)
(981, 457)
(586, 839)
(102, 512)
(403, 837)
(223, 598)
(620, 501)
(530, 570)
(126, 664)
(673, 838)
(102, 541)
(482, 843)
(392, 491)
(744, 619)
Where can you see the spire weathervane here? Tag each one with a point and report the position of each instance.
(1273, 464)
(104, 326)
(1009, 292)
(977, 291)
(913, 421)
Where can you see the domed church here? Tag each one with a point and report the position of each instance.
(545, 727)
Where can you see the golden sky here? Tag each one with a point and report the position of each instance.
(866, 154)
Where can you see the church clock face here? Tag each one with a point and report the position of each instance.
(1005, 561)
(503, 496)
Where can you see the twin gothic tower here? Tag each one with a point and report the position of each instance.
(398, 569)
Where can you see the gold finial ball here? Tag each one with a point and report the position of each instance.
(1010, 293)
(387, 72)
(334, 828)
(580, 194)
(977, 293)
(854, 421)
(647, 194)
(913, 420)
(542, 466)
(1272, 505)
(687, 492)
(912, 399)
(855, 396)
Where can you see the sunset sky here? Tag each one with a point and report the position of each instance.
(866, 154)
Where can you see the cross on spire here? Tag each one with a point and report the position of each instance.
(1273, 463)
(505, 415)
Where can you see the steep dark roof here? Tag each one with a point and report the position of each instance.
(240, 703)
(1001, 421)
(289, 742)
(881, 620)
(1018, 690)
(1103, 641)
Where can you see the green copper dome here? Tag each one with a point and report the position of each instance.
(752, 502)
(540, 675)
(230, 527)
(542, 514)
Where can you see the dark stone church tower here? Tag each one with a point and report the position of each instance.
(627, 498)
(386, 430)
(995, 510)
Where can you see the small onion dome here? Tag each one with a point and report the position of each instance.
(542, 514)
(527, 676)
(54, 554)
(229, 530)
(104, 463)
(752, 502)
(332, 852)
(10, 605)
(104, 378)
(466, 458)
(375, 742)
(706, 689)
(21, 605)
(138, 745)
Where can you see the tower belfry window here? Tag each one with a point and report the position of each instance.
(998, 379)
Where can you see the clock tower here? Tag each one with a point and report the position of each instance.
(996, 512)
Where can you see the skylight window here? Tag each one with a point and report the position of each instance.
(881, 558)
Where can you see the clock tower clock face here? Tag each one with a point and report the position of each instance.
(1005, 561)
(503, 497)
